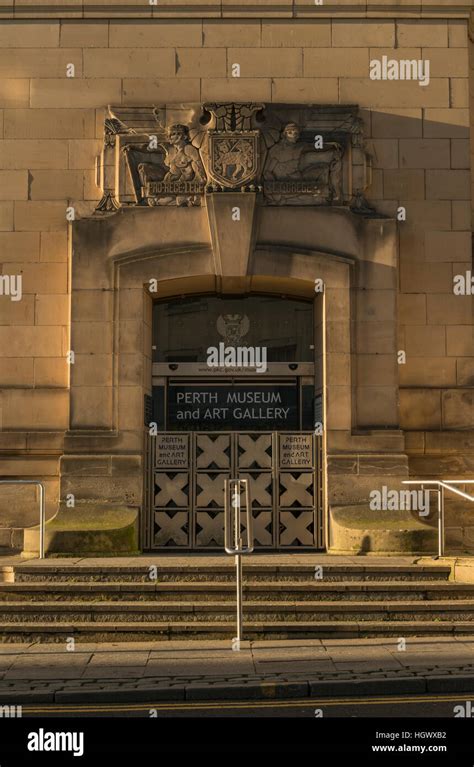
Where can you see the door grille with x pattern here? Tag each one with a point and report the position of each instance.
(185, 488)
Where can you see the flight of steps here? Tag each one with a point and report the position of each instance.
(50, 603)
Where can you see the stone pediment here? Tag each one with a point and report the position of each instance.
(286, 154)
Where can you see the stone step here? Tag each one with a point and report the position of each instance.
(129, 631)
(206, 591)
(51, 601)
(226, 573)
(283, 611)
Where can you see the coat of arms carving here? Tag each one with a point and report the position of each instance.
(233, 327)
(233, 158)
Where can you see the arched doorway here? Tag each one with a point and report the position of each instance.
(233, 395)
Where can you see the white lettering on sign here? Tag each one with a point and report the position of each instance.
(196, 397)
(262, 414)
(223, 405)
(254, 397)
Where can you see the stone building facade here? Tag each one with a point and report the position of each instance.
(182, 155)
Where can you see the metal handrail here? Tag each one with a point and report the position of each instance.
(232, 520)
(442, 485)
(42, 505)
(233, 541)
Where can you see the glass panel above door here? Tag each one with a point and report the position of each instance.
(184, 329)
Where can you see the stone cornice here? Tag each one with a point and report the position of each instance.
(232, 9)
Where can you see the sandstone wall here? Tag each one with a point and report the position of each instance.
(51, 129)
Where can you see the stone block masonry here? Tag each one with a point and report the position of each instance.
(133, 54)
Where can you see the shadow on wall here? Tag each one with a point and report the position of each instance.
(430, 177)
(20, 509)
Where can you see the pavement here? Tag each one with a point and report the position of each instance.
(211, 670)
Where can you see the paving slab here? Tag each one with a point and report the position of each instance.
(15, 648)
(174, 654)
(346, 653)
(170, 645)
(286, 653)
(442, 648)
(119, 659)
(361, 643)
(413, 640)
(40, 673)
(281, 644)
(433, 659)
(119, 672)
(61, 647)
(297, 667)
(369, 665)
(203, 668)
(64, 660)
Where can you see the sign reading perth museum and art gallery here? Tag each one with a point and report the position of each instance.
(172, 451)
(264, 407)
(296, 451)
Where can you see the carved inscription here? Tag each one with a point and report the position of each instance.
(296, 451)
(172, 451)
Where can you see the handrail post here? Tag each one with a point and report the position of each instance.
(441, 521)
(238, 557)
(233, 541)
(42, 520)
(240, 613)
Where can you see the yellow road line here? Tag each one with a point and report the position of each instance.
(270, 703)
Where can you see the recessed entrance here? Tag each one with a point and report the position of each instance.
(233, 396)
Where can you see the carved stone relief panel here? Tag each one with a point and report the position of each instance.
(286, 154)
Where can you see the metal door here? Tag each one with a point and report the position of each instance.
(184, 493)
